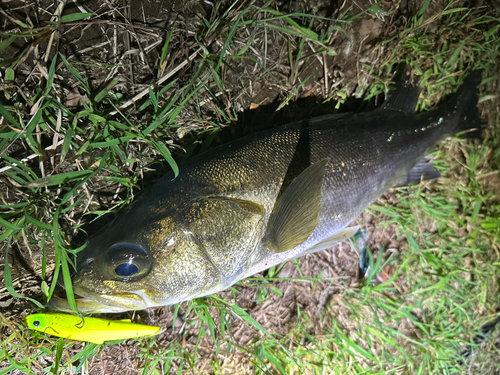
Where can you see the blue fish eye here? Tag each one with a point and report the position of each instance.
(126, 262)
(126, 269)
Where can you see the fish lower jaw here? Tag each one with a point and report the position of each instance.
(136, 300)
(104, 303)
(117, 302)
(83, 305)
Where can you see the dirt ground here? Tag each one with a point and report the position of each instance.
(125, 45)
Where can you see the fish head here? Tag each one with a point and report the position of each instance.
(165, 250)
(139, 263)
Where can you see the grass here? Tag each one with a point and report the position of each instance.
(418, 308)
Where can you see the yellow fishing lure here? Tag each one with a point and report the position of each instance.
(93, 330)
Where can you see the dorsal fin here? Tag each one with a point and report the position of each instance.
(404, 98)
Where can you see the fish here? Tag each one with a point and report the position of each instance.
(270, 197)
(94, 330)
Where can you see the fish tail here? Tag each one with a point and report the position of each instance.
(463, 104)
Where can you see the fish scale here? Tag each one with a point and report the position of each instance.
(243, 207)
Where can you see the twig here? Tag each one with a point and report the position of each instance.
(32, 156)
(159, 82)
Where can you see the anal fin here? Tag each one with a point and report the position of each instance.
(423, 171)
(330, 242)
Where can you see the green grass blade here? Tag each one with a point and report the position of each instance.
(8, 277)
(242, 314)
(7, 42)
(59, 352)
(59, 179)
(51, 74)
(167, 155)
(75, 74)
(6, 114)
(74, 17)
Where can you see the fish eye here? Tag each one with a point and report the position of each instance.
(126, 269)
(127, 262)
(36, 323)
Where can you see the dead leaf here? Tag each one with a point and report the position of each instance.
(74, 98)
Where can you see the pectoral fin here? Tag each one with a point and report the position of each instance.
(295, 215)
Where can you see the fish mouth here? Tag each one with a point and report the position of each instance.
(114, 303)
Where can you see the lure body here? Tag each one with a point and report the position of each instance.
(94, 330)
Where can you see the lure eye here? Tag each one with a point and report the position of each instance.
(36, 323)
(127, 262)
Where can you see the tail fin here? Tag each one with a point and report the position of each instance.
(464, 103)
